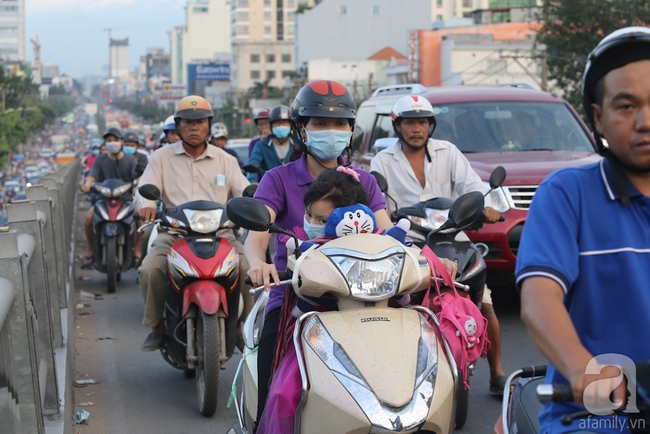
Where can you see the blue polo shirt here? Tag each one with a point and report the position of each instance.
(579, 233)
(264, 155)
(282, 189)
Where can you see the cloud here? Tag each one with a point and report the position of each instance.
(89, 5)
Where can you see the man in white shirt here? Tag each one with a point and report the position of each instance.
(418, 168)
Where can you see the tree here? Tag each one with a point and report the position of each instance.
(571, 29)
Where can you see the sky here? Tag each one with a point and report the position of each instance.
(71, 33)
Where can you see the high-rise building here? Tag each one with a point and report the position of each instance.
(447, 9)
(262, 35)
(12, 30)
(204, 37)
(119, 57)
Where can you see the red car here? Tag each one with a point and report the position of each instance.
(529, 132)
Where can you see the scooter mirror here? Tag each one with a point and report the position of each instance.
(251, 168)
(381, 181)
(249, 191)
(497, 177)
(467, 209)
(248, 213)
(149, 191)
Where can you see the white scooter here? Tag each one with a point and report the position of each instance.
(366, 367)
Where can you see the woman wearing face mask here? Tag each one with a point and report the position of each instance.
(322, 115)
(275, 150)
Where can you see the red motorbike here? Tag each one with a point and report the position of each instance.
(203, 303)
(114, 226)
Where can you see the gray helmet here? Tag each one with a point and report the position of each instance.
(114, 131)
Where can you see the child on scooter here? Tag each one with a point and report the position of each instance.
(334, 193)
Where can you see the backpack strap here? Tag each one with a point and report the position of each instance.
(436, 265)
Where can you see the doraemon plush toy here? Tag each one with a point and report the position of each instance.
(348, 220)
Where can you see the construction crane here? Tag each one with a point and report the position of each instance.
(109, 29)
(37, 60)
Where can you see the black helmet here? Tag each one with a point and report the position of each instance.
(130, 136)
(279, 112)
(623, 46)
(113, 131)
(325, 99)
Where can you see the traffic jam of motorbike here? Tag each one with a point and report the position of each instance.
(375, 318)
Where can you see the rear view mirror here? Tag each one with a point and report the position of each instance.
(497, 177)
(467, 209)
(149, 191)
(381, 181)
(248, 213)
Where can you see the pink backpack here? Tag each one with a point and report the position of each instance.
(461, 321)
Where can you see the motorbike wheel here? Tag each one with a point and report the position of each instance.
(462, 404)
(208, 367)
(111, 264)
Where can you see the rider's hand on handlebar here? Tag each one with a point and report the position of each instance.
(262, 274)
(85, 187)
(594, 390)
(147, 214)
(451, 266)
(491, 215)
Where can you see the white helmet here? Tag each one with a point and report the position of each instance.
(413, 106)
(218, 130)
(169, 124)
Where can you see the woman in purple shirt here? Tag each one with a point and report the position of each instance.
(323, 115)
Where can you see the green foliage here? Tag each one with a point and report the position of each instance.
(23, 113)
(149, 112)
(58, 89)
(571, 29)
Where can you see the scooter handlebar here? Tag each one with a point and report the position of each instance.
(285, 277)
(533, 371)
(554, 393)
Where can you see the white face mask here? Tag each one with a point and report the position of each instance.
(113, 147)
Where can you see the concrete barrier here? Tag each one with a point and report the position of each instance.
(36, 283)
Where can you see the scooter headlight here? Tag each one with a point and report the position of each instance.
(427, 352)
(368, 278)
(204, 222)
(104, 191)
(119, 191)
(330, 352)
(497, 199)
(435, 218)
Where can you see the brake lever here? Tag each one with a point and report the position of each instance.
(257, 289)
(146, 225)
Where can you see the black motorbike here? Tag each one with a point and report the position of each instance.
(526, 391)
(114, 226)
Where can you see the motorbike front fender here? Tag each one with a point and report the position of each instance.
(208, 296)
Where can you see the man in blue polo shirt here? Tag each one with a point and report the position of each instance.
(584, 261)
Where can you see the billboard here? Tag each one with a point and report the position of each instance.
(206, 72)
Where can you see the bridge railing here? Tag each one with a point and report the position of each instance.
(35, 281)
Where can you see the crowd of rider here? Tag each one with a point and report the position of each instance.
(299, 143)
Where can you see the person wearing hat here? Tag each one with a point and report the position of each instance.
(275, 150)
(131, 143)
(185, 171)
(219, 138)
(583, 265)
(114, 164)
(262, 123)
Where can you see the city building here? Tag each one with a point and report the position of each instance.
(361, 77)
(478, 54)
(204, 37)
(119, 57)
(357, 29)
(442, 10)
(154, 68)
(262, 35)
(12, 30)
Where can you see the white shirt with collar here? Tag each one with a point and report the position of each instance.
(449, 174)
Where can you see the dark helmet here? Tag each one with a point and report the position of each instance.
(193, 107)
(113, 131)
(325, 99)
(616, 50)
(279, 112)
(262, 114)
(130, 136)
